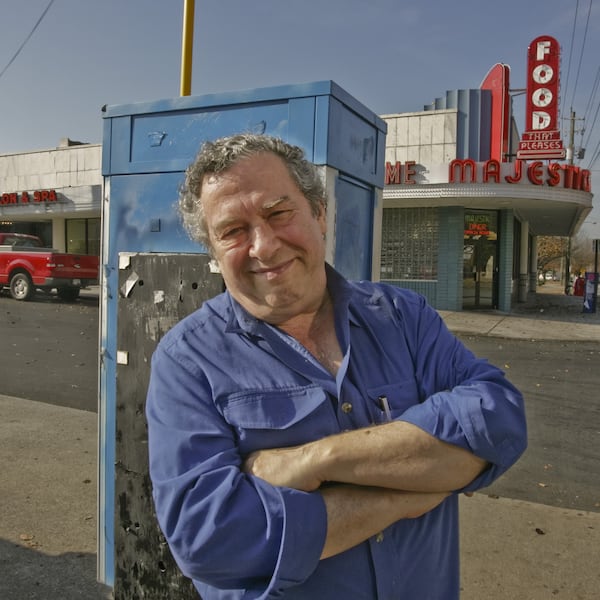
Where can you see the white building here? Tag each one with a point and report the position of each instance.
(461, 216)
(55, 194)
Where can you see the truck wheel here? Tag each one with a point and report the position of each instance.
(21, 286)
(68, 293)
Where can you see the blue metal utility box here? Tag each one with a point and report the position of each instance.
(146, 149)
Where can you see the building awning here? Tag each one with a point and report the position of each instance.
(554, 208)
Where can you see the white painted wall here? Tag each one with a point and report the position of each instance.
(427, 137)
(70, 166)
(74, 172)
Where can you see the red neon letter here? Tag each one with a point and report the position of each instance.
(392, 173)
(462, 166)
(534, 172)
(516, 177)
(553, 174)
(491, 168)
(409, 171)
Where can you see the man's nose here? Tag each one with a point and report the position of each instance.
(264, 242)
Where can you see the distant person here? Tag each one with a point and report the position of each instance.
(579, 286)
(309, 436)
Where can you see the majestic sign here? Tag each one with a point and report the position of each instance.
(461, 171)
(541, 138)
(536, 172)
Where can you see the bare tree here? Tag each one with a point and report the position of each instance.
(550, 251)
(582, 254)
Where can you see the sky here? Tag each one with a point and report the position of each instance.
(391, 55)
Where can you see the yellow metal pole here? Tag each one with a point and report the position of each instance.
(187, 44)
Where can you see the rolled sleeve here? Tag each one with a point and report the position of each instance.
(302, 540)
(225, 529)
(485, 419)
(477, 409)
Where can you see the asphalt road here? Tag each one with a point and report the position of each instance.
(50, 350)
(559, 381)
(50, 354)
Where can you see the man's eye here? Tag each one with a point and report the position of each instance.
(281, 214)
(231, 233)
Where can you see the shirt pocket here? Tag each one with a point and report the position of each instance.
(391, 400)
(275, 418)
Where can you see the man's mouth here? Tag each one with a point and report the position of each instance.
(274, 271)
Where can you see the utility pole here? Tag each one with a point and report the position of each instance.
(570, 157)
(187, 45)
(595, 300)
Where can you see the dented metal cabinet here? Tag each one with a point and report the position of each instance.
(153, 275)
(155, 291)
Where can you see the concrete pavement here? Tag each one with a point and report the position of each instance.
(546, 315)
(510, 549)
(48, 499)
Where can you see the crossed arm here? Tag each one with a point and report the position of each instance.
(384, 473)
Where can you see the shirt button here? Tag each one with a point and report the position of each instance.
(346, 407)
(379, 537)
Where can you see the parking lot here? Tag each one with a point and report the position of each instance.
(50, 350)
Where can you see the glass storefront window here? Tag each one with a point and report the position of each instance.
(409, 244)
(93, 236)
(480, 259)
(83, 236)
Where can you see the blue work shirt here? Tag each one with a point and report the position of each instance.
(224, 384)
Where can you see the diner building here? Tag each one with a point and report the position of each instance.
(461, 213)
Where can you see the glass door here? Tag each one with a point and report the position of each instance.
(480, 259)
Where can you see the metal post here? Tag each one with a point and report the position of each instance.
(523, 263)
(570, 157)
(596, 244)
(187, 45)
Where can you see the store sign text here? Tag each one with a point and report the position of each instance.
(543, 68)
(493, 171)
(537, 172)
(37, 197)
(477, 225)
(400, 174)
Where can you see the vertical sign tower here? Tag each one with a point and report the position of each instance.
(541, 138)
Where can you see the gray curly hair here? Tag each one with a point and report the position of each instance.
(220, 155)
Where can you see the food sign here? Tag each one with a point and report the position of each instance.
(541, 138)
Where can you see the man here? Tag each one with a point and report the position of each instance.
(309, 436)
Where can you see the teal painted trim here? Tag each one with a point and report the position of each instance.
(505, 260)
(450, 258)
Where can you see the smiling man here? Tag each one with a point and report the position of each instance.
(266, 239)
(308, 435)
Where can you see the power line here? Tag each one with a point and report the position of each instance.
(588, 109)
(587, 23)
(572, 92)
(594, 157)
(590, 102)
(10, 62)
(571, 48)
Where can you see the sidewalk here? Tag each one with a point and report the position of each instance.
(510, 549)
(48, 498)
(548, 314)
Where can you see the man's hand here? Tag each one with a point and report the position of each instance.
(284, 467)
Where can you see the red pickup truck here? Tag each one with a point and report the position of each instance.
(25, 266)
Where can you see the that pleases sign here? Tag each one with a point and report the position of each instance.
(541, 138)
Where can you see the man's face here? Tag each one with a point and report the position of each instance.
(269, 245)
